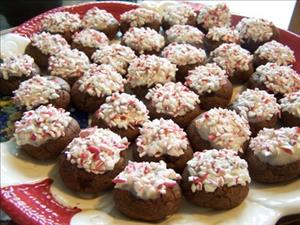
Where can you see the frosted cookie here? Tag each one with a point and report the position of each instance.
(290, 109)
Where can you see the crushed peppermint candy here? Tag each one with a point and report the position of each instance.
(173, 99)
(36, 91)
(123, 111)
(68, 63)
(291, 103)
(60, 22)
(90, 38)
(98, 19)
(185, 34)
(116, 55)
(48, 43)
(161, 137)
(18, 66)
(277, 146)
(224, 34)
(206, 79)
(214, 16)
(255, 29)
(232, 57)
(212, 169)
(101, 80)
(143, 39)
(256, 105)
(148, 70)
(178, 14)
(147, 180)
(96, 150)
(278, 79)
(140, 17)
(276, 52)
(223, 128)
(38, 126)
(184, 54)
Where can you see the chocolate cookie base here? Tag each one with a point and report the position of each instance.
(241, 77)
(39, 58)
(183, 71)
(210, 45)
(89, 51)
(255, 127)
(289, 119)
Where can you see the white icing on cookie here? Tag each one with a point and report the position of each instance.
(224, 34)
(90, 38)
(140, 17)
(146, 180)
(291, 103)
(178, 14)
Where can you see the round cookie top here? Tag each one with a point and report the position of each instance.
(101, 80)
(178, 14)
(148, 70)
(212, 169)
(223, 128)
(255, 29)
(161, 137)
(90, 38)
(18, 66)
(276, 52)
(60, 22)
(38, 90)
(184, 54)
(278, 79)
(48, 43)
(38, 126)
(185, 34)
(116, 55)
(256, 105)
(123, 111)
(291, 103)
(96, 150)
(224, 34)
(277, 147)
(143, 39)
(68, 63)
(147, 180)
(214, 16)
(206, 79)
(140, 17)
(173, 99)
(232, 57)
(98, 19)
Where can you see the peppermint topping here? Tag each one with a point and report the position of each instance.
(146, 180)
(116, 55)
(101, 81)
(143, 39)
(178, 14)
(68, 63)
(38, 126)
(18, 66)
(184, 54)
(98, 19)
(185, 34)
(291, 103)
(90, 38)
(173, 99)
(276, 52)
(140, 17)
(277, 147)
(278, 79)
(214, 16)
(224, 34)
(256, 105)
(212, 169)
(206, 79)
(96, 150)
(232, 57)
(223, 128)
(123, 111)
(48, 43)
(37, 90)
(148, 70)
(161, 137)
(61, 22)
(255, 29)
